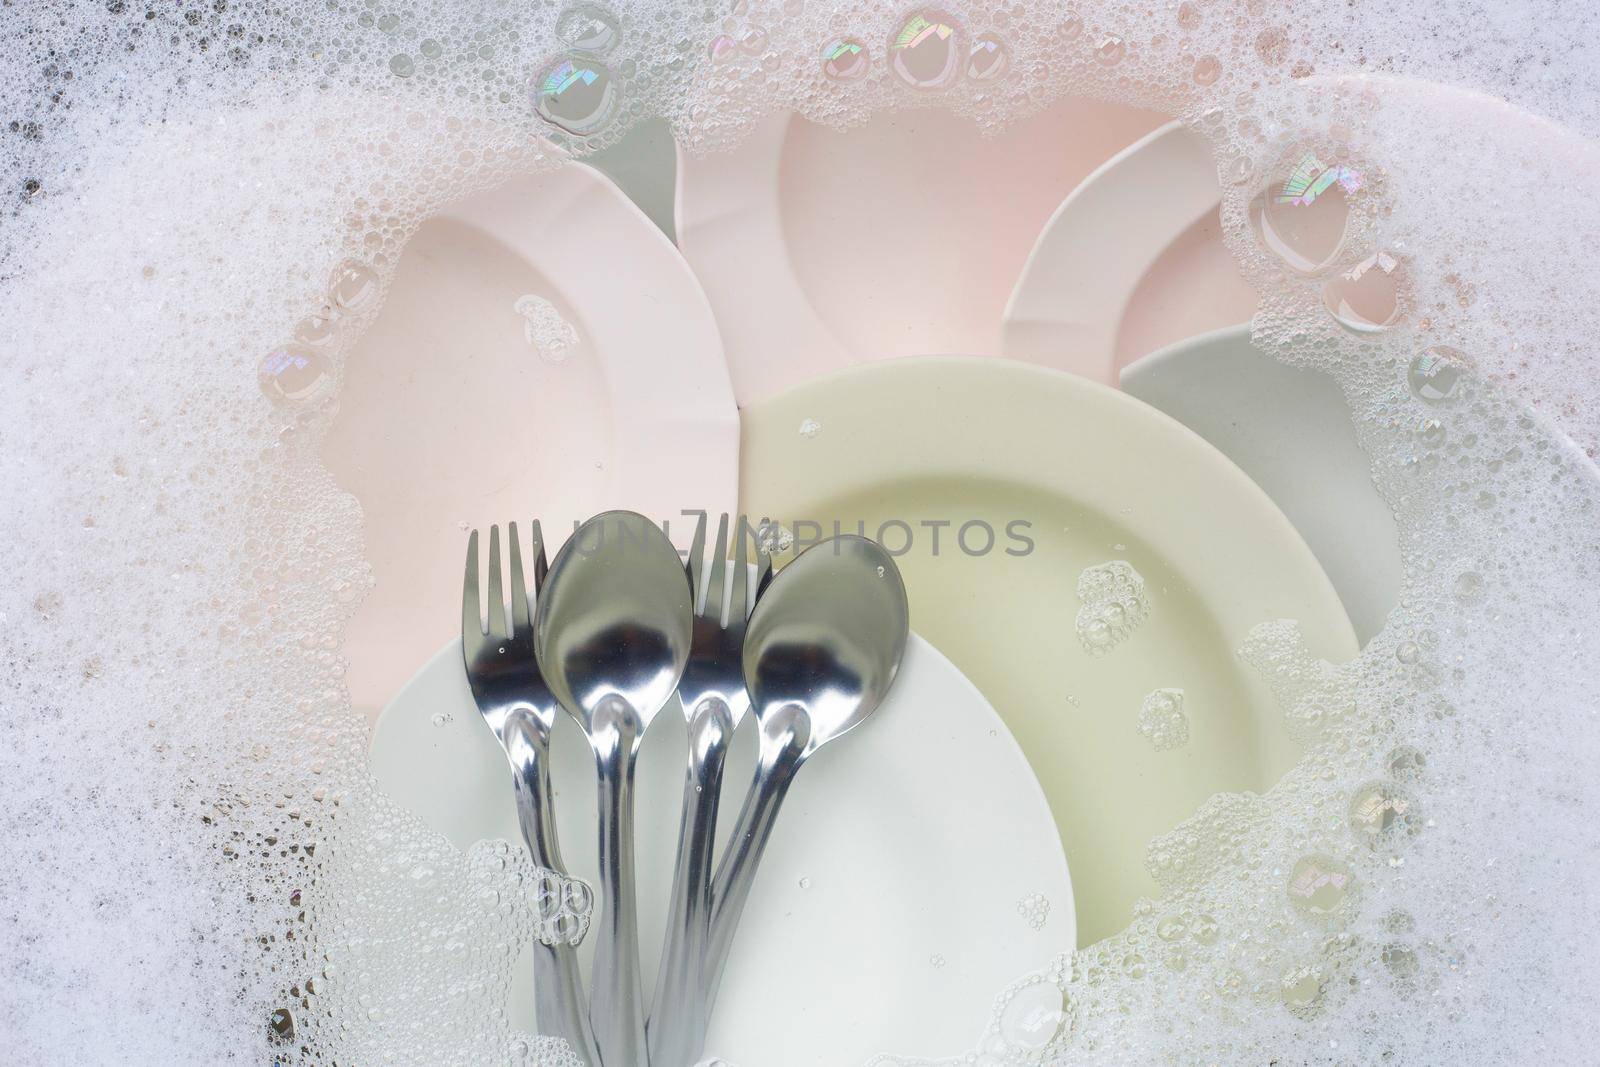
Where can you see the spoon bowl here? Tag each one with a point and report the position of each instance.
(615, 620)
(828, 636)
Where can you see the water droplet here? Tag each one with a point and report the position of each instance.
(439, 718)
(845, 60)
(927, 52)
(353, 284)
(1302, 215)
(1320, 885)
(1435, 375)
(295, 375)
(1207, 69)
(576, 93)
(805, 883)
(588, 28)
(989, 58)
(402, 65)
(1366, 299)
(1033, 1015)
(1110, 50)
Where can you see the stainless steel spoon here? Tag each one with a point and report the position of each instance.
(821, 651)
(612, 635)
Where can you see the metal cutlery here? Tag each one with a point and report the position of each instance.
(512, 696)
(714, 700)
(612, 633)
(821, 651)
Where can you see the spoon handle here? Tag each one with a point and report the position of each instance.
(671, 1030)
(783, 749)
(615, 997)
(559, 1001)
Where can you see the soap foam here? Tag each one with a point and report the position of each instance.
(200, 869)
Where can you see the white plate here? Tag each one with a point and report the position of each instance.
(820, 249)
(1100, 477)
(1139, 239)
(1290, 430)
(451, 418)
(885, 917)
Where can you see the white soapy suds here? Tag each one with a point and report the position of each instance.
(1114, 604)
(199, 869)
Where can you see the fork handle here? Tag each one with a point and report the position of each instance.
(672, 1034)
(616, 997)
(559, 1002)
(784, 742)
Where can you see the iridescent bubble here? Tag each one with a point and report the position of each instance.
(989, 58)
(1320, 885)
(845, 60)
(927, 51)
(1207, 69)
(754, 40)
(352, 285)
(1109, 51)
(1033, 1015)
(1382, 814)
(1431, 432)
(722, 46)
(295, 375)
(1366, 299)
(576, 93)
(318, 329)
(1405, 763)
(1300, 989)
(1302, 215)
(1436, 373)
(588, 28)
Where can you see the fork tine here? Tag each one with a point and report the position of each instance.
(739, 601)
(696, 563)
(497, 595)
(719, 570)
(763, 562)
(471, 610)
(541, 562)
(519, 588)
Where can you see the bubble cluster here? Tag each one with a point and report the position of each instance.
(1163, 720)
(1113, 605)
(203, 205)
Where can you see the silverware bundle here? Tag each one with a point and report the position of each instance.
(609, 633)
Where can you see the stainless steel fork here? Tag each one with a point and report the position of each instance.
(714, 701)
(517, 704)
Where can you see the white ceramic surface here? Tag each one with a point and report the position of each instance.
(820, 249)
(1150, 208)
(1098, 476)
(885, 916)
(1291, 431)
(451, 418)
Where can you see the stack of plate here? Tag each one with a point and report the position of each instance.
(546, 350)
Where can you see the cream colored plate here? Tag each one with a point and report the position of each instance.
(885, 916)
(1098, 476)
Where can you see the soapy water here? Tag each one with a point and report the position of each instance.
(200, 869)
(1114, 604)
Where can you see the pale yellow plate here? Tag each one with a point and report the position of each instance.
(1096, 476)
